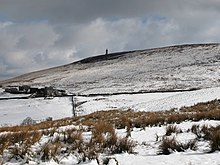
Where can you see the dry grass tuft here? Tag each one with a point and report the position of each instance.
(104, 138)
(51, 151)
(211, 134)
(172, 129)
(169, 145)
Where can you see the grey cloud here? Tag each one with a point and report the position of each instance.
(21, 43)
(73, 11)
(64, 11)
(37, 34)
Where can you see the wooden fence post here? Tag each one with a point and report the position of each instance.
(74, 106)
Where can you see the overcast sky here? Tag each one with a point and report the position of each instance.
(38, 34)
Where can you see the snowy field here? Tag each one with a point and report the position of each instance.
(148, 101)
(13, 112)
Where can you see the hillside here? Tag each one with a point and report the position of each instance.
(181, 67)
(179, 126)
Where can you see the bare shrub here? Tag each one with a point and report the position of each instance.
(35, 137)
(20, 151)
(103, 136)
(51, 151)
(211, 134)
(215, 141)
(28, 121)
(172, 129)
(4, 143)
(106, 140)
(75, 143)
(169, 145)
(190, 145)
(202, 133)
(73, 136)
(124, 145)
(196, 130)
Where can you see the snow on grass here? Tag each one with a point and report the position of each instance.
(148, 148)
(146, 151)
(148, 142)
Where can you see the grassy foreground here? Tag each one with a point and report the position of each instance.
(20, 142)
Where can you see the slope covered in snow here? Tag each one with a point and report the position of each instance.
(147, 102)
(162, 69)
(170, 68)
(14, 111)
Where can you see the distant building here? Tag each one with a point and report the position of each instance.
(24, 88)
(36, 92)
(12, 90)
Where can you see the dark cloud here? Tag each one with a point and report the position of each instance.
(58, 11)
(66, 10)
(37, 34)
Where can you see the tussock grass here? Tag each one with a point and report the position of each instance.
(172, 129)
(215, 141)
(169, 145)
(51, 151)
(211, 134)
(104, 139)
(122, 119)
(60, 144)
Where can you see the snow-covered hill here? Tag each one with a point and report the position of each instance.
(170, 68)
(127, 75)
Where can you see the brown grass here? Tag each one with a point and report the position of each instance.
(106, 140)
(215, 141)
(169, 145)
(172, 129)
(51, 151)
(202, 133)
(122, 119)
(21, 151)
(211, 134)
(103, 133)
